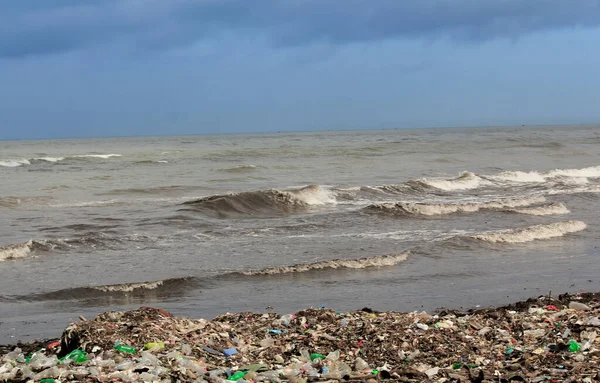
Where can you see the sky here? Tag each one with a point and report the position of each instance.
(89, 68)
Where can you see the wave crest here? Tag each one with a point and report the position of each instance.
(555, 208)
(22, 250)
(532, 233)
(449, 208)
(239, 168)
(13, 163)
(589, 172)
(263, 202)
(466, 180)
(360, 263)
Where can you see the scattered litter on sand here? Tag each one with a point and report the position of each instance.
(541, 339)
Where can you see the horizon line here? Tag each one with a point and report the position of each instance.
(304, 131)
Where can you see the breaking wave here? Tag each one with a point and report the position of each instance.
(361, 263)
(466, 180)
(22, 250)
(449, 208)
(239, 169)
(532, 233)
(263, 202)
(103, 156)
(555, 208)
(591, 172)
(161, 288)
(13, 163)
(518, 176)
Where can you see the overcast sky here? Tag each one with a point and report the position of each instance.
(73, 68)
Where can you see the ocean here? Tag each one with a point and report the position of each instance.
(402, 220)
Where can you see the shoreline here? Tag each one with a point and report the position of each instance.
(537, 339)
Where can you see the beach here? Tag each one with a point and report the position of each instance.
(394, 220)
(542, 339)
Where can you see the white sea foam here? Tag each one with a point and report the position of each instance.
(589, 172)
(518, 176)
(555, 208)
(20, 250)
(104, 156)
(129, 287)
(14, 163)
(240, 168)
(449, 208)
(50, 159)
(361, 263)
(313, 195)
(466, 180)
(532, 233)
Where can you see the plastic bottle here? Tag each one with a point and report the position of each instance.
(77, 356)
(361, 365)
(122, 348)
(154, 346)
(574, 346)
(237, 376)
(316, 356)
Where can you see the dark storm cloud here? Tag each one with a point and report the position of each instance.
(46, 27)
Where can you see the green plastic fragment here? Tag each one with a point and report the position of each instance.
(127, 349)
(316, 356)
(237, 376)
(509, 350)
(574, 346)
(77, 356)
(457, 366)
(47, 380)
(154, 345)
(375, 372)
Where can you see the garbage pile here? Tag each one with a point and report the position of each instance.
(542, 339)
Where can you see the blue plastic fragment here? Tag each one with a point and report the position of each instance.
(211, 350)
(278, 332)
(230, 351)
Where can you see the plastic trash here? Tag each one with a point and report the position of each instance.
(316, 356)
(53, 345)
(154, 346)
(579, 306)
(39, 361)
(47, 380)
(574, 346)
(128, 349)
(77, 356)
(361, 365)
(286, 319)
(230, 351)
(422, 326)
(277, 332)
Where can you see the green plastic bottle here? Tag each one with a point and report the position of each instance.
(77, 356)
(122, 348)
(574, 346)
(47, 380)
(237, 376)
(316, 356)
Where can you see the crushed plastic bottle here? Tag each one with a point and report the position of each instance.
(361, 365)
(155, 346)
(39, 361)
(316, 356)
(237, 376)
(574, 346)
(77, 356)
(128, 349)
